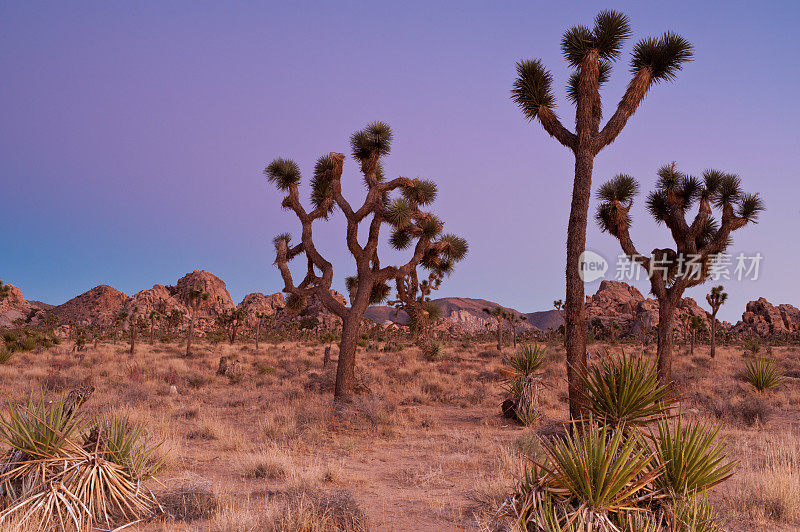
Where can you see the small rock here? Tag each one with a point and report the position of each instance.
(173, 390)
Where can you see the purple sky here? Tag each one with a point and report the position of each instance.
(133, 134)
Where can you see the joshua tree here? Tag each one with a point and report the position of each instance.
(413, 296)
(499, 314)
(260, 317)
(697, 242)
(230, 321)
(119, 319)
(133, 323)
(173, 320)
(155, 315)
(696, 325)
(715, 299)
(196, 298)
(513, 322)
(412, 226)
(591, 52)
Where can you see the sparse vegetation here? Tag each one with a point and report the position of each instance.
(762, 373)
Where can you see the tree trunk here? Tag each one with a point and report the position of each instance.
(499, 335)
(346, 366)
(694, 335)
(189, 336)
(666, 315)
(713, 333)
(152, 332)
(574, 313)
(258, 331)
(133, 338)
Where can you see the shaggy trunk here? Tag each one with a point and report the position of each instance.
(346, 366)
(189, 336)
(666, 316)
(574, 313)
(713, 332)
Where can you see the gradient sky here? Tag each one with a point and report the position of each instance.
(133, 134)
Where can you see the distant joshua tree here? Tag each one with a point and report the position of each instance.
(697, 243)
(230, 321)
(133, 323)
(499, 314)
(591, 52)
(716, 298)
(119, 319)
(260, 317)
(412, 227)
(196, 298)
(696, 325)
(513, 322)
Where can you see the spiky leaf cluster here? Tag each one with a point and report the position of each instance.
(456, 247)
(611, 29)
(376, 138)
(283, 237)
(399, 213)
(322, 185)
(422, 192)
(604, 75)
(612, 215)
(533, 88)
(664, 56)
(283, 173)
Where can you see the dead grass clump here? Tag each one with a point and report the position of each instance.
(188, 500)
(316, 512)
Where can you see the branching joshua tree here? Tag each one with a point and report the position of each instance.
(119, 319)
(230, 321)
(412, 228)
(499, 314)
(196, 298)
(413, 295)
(716, 298)
(260, 317)
(697, 242)
(591, 52)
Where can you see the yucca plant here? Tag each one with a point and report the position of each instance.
(527, 360)
(5, 354)
(57, 477)
(692, 513)
(599, 471)
(763, 374)
(624, 392)
(433, 350)
(691, 457)
(124, 443)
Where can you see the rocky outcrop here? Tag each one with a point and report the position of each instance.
(765, 319)
(97, 307)
(157, 299)
(258, 302)
(13, 307)
(621, 307)
(219, 300)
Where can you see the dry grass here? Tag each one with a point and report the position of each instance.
(424, 449)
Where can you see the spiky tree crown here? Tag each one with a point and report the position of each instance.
(675, 193)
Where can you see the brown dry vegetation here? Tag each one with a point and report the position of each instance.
(424, 447)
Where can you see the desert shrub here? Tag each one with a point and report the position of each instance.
(189, 500)
(751, 346)
(433, 350)
(625, 391)
(763, 374)
(59, 476)
(312, 512)
(5, 354)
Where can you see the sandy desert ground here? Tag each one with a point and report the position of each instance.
(424, 448)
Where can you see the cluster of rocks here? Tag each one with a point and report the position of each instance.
(762, 318)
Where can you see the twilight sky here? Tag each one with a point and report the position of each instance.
(133, 134)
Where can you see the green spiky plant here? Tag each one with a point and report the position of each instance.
(692, 457)
(624, 392)
(526, 361)
(57, 476)
(412, 226)
(698, 242)
(716, 298)
(591, 52)
(762, 374)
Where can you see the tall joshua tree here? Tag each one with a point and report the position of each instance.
(412, 228)
(196, 298)
(513, 322)
(590, 52)
(697, 242)
(716, 298)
